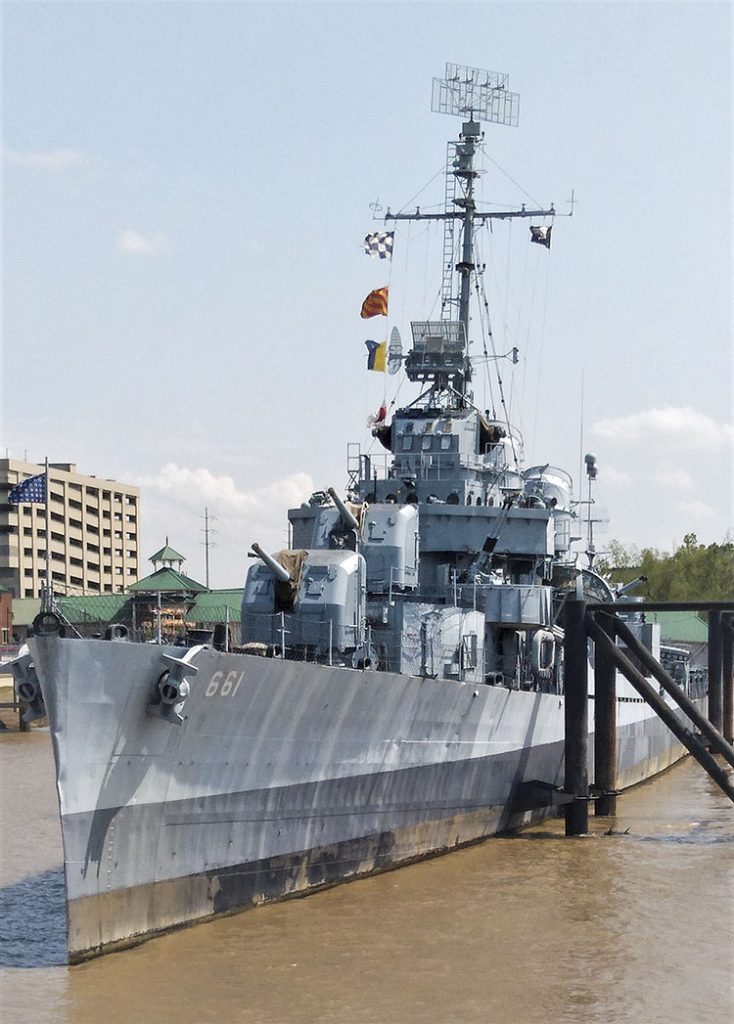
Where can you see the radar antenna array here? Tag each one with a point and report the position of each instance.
(483, 95)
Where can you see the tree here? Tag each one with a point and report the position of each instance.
(694, 572)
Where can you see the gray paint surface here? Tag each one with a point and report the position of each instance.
(282, 777)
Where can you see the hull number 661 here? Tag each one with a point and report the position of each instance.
(224, 684)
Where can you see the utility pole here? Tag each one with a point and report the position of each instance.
(207, 542)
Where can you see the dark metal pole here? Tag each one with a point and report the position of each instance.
(715, 676)
(576, 687)
(605, 725)
(727, 661)
(716, 740)
(656, 702)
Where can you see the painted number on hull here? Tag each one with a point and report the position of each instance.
(224, 685)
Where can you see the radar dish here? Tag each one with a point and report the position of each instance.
(482, 95)
(394, 351)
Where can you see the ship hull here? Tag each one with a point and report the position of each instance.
(282, 778)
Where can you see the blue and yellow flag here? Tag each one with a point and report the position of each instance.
(376, 353)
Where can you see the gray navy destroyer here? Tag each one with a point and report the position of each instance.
(399, 681)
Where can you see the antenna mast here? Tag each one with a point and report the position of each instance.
(473, 94)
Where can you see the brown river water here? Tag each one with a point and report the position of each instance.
(635, 926)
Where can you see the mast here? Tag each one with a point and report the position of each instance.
(475, 93)
(464, 172)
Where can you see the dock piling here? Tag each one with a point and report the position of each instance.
(605, 724)
(727, 663)
(666, 713)
(715, 673)
(576, 779)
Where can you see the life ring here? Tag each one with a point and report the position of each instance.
(543, 654)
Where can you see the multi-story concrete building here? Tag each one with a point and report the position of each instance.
(94, 526)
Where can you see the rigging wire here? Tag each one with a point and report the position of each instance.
(483, 303)
(514, 182)
(441, 170)
(540, 347)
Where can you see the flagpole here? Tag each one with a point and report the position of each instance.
(47, 601)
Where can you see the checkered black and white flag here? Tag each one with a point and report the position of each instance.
(379, 244)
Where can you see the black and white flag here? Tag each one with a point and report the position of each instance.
(379, 244)
(541, 235)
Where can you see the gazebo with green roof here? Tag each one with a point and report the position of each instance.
(167, 556)
(161, 600)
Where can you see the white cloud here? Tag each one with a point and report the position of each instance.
(135, 244)
(612, 475)
(683, 429)
(173, 502)
(49, 159)
(697, 510)
(670, 475)
(199, 487)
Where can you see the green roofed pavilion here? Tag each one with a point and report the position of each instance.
(167, 556)
(167, 581)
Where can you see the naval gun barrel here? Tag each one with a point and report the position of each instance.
(346, 516)
(275, 567)
(621, 591)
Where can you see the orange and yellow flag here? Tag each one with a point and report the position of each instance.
(375, 304)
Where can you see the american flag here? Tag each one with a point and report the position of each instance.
(379, 244)
(30, 490)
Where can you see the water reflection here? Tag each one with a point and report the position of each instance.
(631, 926)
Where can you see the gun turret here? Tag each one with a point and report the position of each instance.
(347, 518)
(275, 567)
(622, 591)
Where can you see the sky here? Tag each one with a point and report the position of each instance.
(186, 187)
